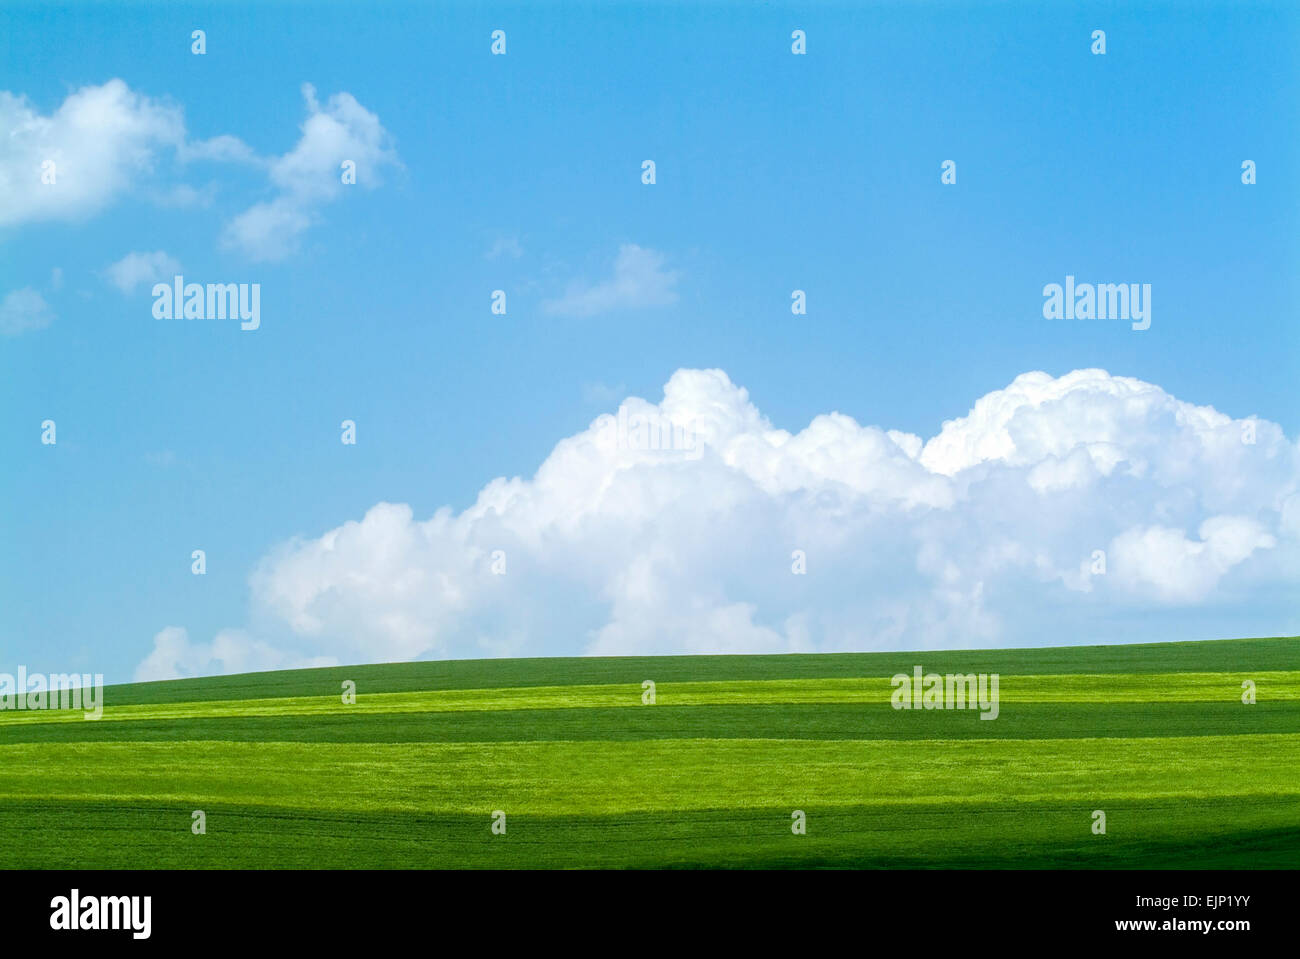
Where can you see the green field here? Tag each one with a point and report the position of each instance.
(1156, 736)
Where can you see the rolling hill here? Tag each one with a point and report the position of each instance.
(710, 775)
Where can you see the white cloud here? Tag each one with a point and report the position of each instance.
(136, 268)
(220, 149)
(980, 537)
(639, 281)
(231, 651)
(1179, 569)
(310, 175)
(106, 141)
(268, 231)
(602, 394)
(22, 311)
(182, 196)
(100, 140)
(1039, 417)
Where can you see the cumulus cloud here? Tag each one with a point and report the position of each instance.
(1180, 569)
(93, 147)
(640, 280)
(106, 141)
(231, 651)
(675, 527)
(22, 311)
(136, 268)
(310, 175)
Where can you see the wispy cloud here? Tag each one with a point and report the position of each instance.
(602, 394)
(639, 281)
(104, 142)
(310, 175)
(136, 268)
(22, 311)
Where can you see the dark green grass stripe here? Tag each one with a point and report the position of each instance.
(1208, 656)
(838, 721)
(1214, 832)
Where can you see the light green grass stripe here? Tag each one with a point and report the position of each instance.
(1074, 688)
(563, 778)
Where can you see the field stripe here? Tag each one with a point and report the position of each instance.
(1243, 655)
(1149, 833)
(834, 721)
(558, 778)
(1067, 688)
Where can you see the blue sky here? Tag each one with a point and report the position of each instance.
(522, 172)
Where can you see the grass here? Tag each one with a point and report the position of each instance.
(1156, 736)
